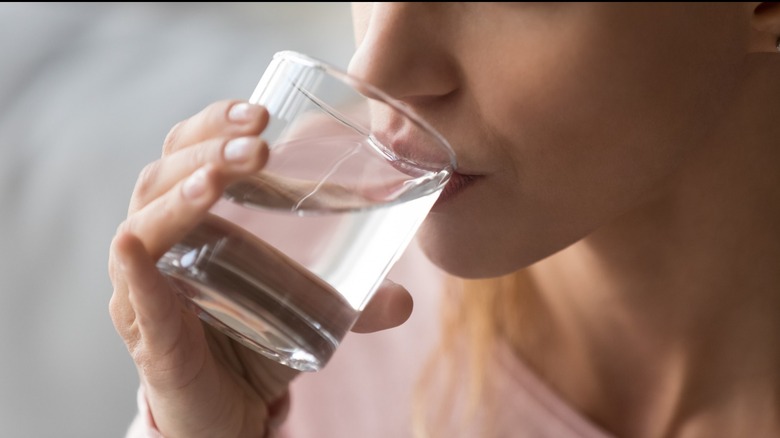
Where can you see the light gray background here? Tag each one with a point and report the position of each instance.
(87, 93)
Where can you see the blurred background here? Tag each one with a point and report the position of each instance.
(87, 93)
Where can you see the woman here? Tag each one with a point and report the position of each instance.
(618, 191)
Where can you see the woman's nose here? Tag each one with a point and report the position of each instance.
(405, 49)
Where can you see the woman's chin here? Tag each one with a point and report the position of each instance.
(476, 257)
(460, 260)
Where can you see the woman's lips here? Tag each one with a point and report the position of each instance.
(457, 183)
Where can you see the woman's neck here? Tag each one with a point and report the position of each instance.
(667, 322)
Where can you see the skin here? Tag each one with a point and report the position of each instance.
(625, 153)
(197, 381)
(630, 157)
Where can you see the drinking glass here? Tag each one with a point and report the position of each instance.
(288, 258)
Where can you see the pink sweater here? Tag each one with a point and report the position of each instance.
(366, 389)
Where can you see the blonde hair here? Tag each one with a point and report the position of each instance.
(476, 315)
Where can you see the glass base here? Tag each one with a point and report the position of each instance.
(255, 294)
(256, 329)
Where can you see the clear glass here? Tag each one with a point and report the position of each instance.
(288, 258)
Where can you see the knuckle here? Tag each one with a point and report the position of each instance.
(134, 344)
(117, 309)
(172, 138)
(146, 179)
(123, 318)
(126, 226)
(201, 155)
(114, 271)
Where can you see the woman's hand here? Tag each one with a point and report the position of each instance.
(199, 382)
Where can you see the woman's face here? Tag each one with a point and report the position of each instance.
(565, 114)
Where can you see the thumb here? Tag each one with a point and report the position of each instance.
(390, 307)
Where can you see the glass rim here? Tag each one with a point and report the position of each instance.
(396, 104)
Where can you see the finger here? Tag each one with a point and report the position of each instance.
(226, 118)
(156, 308)
(237, 154)
(122, 314)
(172, 348)
(167, 220)
(390, 307)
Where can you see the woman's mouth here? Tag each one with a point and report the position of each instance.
(458, 182)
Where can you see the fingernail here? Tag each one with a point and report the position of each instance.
(242, 112)
(195, 185)
(240, 149)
